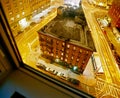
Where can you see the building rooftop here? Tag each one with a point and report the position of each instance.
(70, 27)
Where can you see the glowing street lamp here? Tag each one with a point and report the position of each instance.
(75, 68)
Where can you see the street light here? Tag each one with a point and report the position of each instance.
(118, 39)
(75, 68)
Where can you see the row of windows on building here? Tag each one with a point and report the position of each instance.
(64, 50)
(17, 9)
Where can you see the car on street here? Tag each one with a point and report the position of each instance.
(73, 81)
(41, 66)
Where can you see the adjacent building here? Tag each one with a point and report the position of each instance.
(114, 13)
(20, 12)
(101, 3)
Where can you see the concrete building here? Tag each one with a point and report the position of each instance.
(19, 13)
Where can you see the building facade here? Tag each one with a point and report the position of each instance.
(102, 3)
(64, 50)
(114, 13)
(19, 12)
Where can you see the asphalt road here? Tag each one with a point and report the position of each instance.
(110, 68)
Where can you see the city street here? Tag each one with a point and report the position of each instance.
(110, 85)
(31, 36)
(73, 46)
(28, 45)
(111, 71)
(113, 39)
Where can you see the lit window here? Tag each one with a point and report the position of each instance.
(72, 57)
(12, 19)
(52, 54)
(74, 48)
(66, 55)
(18, 16)
(10, 13)
(61, 53)
(57, 42)
(23, 13)
(68, 46)
(20, 3)
(67, 51)
(80, 51)
(86, 52)
(61, 58)
(48, 53)
(35, 11)
(63, 44)
(66, 60)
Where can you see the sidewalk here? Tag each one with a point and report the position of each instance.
(112, 38)
(111, 71)
(84, 79)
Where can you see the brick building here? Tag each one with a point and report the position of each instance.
(62, 49)
(114, 13)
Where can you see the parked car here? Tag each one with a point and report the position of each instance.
(41, 66)
(55, 72)
(73, 81)
(62, 76)
(59, 73)
(50, 70)
(47, 69)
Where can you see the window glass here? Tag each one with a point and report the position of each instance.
(50, 40)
